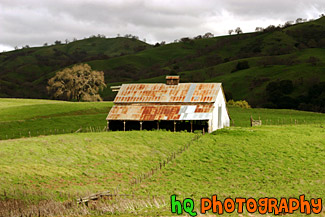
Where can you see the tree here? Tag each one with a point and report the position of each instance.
(312, 43)
(313, 60)
(299, 20)
(259, 29)
(79, 83)
(230, 31)
(57, 42)
(238, 30)
(241, 65)
(288, 23)
(208, 35)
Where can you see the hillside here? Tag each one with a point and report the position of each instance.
(24, 73)
(275, 68)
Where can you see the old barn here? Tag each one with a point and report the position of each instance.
(173, 106)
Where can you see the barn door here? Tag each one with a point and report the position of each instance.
(219, 116)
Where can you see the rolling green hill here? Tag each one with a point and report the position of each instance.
(276, 68)
(24, 72)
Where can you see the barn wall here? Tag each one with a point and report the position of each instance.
(225, 121)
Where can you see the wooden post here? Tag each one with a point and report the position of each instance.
(203, 131)
(124, 125)
(174, 126)
(157, 125)
(107, 129)
(191, 126)
(140, 125)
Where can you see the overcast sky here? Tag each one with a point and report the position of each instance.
(34, 22)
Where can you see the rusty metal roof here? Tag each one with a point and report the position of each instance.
(160, 112)
(162, 93)
(172, 77)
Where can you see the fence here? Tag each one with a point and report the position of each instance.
(277, 121)
(45, 132)
(140, 178)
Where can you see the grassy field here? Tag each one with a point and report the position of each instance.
(65, 166)
(240, 116)
(28, 117)
(283, 158)
(277, 161)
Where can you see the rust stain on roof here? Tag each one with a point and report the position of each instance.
(183, 92)
(172, 77)
(160, 112)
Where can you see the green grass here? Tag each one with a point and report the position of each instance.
(78, 164)
(278, 159)
(240, 117)
(29, 117)
(273, 161)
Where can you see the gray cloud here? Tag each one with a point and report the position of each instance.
(34, 22)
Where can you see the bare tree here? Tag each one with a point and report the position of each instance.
(230, 31)
(79, 83)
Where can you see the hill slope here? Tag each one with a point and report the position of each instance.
(24, 72)
(276, 68)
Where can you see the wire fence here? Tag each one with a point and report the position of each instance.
(55, 131)
(143, 176)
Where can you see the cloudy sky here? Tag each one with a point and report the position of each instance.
(34, 22)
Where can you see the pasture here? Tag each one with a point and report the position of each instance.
(47, 173)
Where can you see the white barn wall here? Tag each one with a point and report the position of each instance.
(225, 121)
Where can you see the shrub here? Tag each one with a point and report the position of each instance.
(241, 65)
(240, 103)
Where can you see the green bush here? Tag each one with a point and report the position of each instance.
(240, 103)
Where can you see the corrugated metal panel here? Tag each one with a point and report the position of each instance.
(183, 92)
(190, 93)
(160, 112)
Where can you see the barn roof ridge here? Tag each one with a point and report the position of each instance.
(160, 92)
